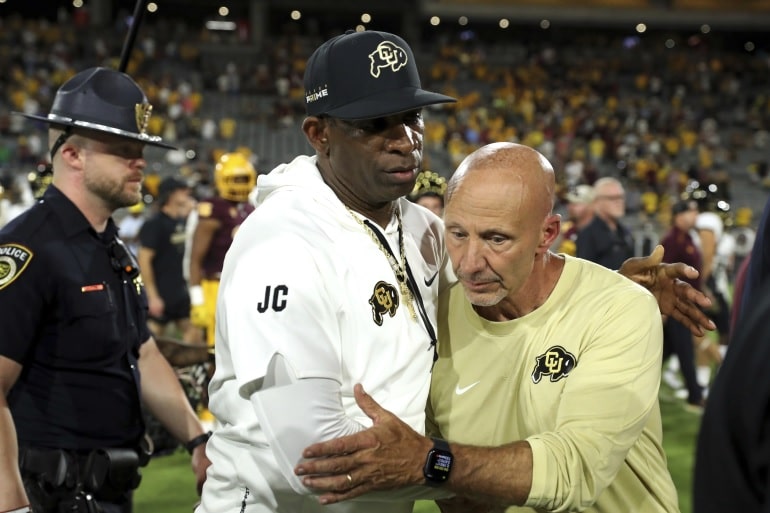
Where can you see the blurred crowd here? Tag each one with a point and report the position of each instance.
(658, 117)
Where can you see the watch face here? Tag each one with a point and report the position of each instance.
(437, 465)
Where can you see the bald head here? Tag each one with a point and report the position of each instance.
(499, 225)
(505, 164)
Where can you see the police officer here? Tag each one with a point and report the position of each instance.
(74, 336)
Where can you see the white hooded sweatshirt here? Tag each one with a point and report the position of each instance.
(308, 306)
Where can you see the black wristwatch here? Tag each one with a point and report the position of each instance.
(198, 440)
(438, 464)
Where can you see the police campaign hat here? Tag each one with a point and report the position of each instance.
(104, 100)
(364, 75)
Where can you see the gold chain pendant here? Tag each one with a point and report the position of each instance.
(399, 271)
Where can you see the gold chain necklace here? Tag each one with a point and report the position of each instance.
(398, 269)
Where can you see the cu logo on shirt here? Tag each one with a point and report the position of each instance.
(384, 301)
(556, 362)
(275, 299)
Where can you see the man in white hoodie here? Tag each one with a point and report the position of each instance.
(333, 280)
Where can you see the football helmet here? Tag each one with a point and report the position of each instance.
(234, 177)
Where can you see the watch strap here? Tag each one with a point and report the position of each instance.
(438, 463)
(198, 440)
(438, 443)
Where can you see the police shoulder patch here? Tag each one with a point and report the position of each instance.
(14, 258)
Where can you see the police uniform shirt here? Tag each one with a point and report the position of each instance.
(65, 320)
(577, 378)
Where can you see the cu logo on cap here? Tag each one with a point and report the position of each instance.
(387, 55)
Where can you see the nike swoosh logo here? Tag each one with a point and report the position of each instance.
(428, 282)
(461, 391)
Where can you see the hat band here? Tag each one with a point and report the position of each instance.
(103, 128)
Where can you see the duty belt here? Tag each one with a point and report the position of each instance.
(106, 473)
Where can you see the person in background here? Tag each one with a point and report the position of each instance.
(546, 383)
(580, 213)
(680, 246)
(162, 242)
(40, 179)
(130, 226)
(77, 361)
(711, 236)
(606, 240)
(429, 191)
(218, 218)
(15, 198)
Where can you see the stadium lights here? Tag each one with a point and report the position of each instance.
(366, 17)
(462, 20)
(435, 21)
(295, 15)
(152, 7)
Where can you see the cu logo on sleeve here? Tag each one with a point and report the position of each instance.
(274, 299)
(556, 362)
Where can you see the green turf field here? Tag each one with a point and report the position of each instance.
(167, 483)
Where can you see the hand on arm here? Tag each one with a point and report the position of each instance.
(12, 494)
(390, 455)
(675, 297)
(166, 400)
(387, 456)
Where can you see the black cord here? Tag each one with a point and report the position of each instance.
(413, 288)
(60, 140)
